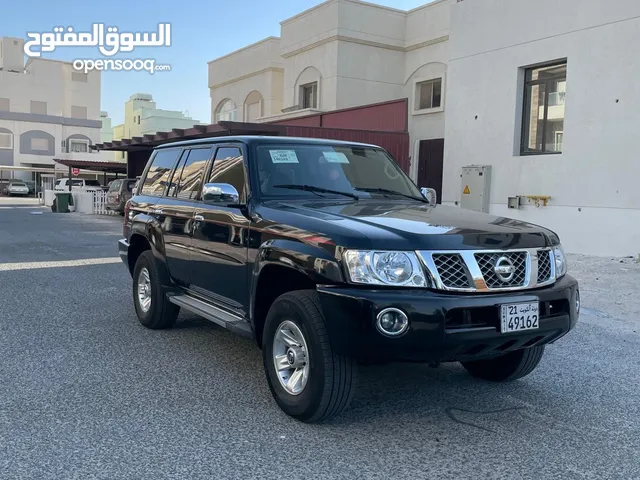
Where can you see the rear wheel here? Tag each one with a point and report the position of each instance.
(153, 308)
(307, 379)
(507, 367)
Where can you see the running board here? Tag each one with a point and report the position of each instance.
(214, 314)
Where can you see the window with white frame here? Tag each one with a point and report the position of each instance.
(6, 140)
(227, 111)
(309, 95)
(78, 111)
(428, 95)
(40, 144)
(253, 111)
(79, 146)
(39, 108)
(78, 77)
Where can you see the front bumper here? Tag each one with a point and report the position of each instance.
(442, 326)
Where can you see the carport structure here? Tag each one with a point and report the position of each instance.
(93, 166)
(337, 125)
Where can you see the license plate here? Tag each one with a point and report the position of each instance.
(516, 317)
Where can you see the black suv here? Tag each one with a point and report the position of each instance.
(328, 255)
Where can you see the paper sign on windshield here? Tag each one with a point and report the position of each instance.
(335, 157)
(283, 156)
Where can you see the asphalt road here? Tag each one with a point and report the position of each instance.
(86, 392)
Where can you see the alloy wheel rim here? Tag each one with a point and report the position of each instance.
(144, 290)
(291, 357)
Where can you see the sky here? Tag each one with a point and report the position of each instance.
(200, 32)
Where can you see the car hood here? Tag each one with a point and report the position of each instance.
(410, 225)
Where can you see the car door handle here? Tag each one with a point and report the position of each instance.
(199, 218)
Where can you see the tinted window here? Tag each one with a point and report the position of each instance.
(343, 168)
(77, 183)
(228, 168)
(190, 169)
(115, 186)
(159, 172)
(92, 183)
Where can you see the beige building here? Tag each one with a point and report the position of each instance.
(142, 117)
(340, 54)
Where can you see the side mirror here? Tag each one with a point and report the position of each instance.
(430, 194)
(220, 193)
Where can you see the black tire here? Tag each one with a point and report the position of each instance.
(507, 367)
(332, 377)
(161, 313)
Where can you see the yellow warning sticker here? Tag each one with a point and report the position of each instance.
(466, 190)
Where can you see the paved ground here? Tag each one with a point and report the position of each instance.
(86, 392)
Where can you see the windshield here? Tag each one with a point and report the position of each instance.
(115, 186)
(350, 169)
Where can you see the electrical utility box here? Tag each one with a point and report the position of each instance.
(476, 187)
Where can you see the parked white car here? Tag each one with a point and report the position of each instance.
(62, 184)
(17, 188)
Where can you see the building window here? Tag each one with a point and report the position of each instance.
(78, 112)
(543, 114)
(78, 77)
(227, 111)
(6, 140)
(4, 103)
(39, 108)
(78, 146)
(40, 144)
(138, 119)
(428, 95)
(309, 95)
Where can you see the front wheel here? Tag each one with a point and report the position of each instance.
(153, 308)
(507, 367)
(307, 379)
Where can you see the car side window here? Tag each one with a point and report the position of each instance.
(187, 180)
(160, 171)
(228, 167)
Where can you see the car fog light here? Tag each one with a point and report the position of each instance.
(392, 322)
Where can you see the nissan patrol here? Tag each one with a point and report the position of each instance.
(328, 255)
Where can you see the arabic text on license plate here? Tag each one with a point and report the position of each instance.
(515, 317)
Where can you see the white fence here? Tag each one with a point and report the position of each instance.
(90, 202)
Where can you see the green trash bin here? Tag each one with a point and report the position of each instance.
(62, 202)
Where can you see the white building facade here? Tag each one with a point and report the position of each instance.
(47, 110)
(341, 54)
(552, 106)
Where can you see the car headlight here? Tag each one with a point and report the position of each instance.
(390, 268)
(561, 261)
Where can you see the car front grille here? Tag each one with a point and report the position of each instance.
(544, 265)
(452, 270)
(490, 270)
(488, 261)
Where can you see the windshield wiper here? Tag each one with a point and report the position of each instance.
(391, 192)
(312, 188)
